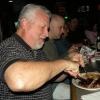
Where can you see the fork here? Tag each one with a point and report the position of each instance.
(85, 71)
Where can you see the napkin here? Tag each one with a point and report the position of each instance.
(91, 96)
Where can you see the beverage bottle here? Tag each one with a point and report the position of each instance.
(98, 43)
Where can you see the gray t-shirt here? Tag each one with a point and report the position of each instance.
(12, 50)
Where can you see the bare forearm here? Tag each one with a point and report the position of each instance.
(27, 76)
(57, 67)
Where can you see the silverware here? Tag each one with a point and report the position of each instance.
(84, 70)
(82, 79)
(86, 73)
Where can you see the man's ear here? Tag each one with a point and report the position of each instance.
(23, 22)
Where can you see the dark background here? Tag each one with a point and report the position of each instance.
(63, 7)
(85, 9)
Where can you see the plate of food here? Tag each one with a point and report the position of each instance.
(92, 82)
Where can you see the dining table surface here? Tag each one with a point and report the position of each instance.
(90, 67)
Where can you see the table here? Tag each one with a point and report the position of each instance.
(75, 92)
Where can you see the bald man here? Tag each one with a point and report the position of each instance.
(56, 30)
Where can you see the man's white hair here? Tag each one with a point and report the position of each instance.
(29, 11)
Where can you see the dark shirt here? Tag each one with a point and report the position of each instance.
(62, 46)
(12, 50)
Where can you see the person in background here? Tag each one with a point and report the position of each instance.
(55, 31)
(25, 72)
(62, 44)
(91, 32)
(76, 34)
(58, 31)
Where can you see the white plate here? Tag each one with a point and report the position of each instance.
(75, 82)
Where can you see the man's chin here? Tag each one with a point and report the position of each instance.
(38, 47)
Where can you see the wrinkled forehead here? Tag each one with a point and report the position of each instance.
(41, 13)
(41, 19)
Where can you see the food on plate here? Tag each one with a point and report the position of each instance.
(92, 80)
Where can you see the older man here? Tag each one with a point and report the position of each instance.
(24, 72)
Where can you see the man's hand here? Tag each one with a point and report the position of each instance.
(77, 57)
(72, 68)
(77, 60)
